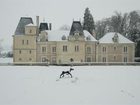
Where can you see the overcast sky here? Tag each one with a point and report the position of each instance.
(57, 12)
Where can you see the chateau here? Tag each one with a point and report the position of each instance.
(39, 43)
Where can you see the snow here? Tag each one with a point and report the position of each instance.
(107, 38)
(90, 85)
(56, 35)
(87, 34)
(30, 24)
(6, 60)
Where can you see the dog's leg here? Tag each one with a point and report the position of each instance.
(61, 75)
(70, 75)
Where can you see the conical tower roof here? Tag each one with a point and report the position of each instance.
(76, 27)
(20, 30)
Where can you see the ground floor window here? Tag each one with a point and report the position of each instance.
(20, 59)
(88, 59)
(53, 60)
(44, 59)
(125, 59)
(30, 59)
(114, 58)
(104, 59)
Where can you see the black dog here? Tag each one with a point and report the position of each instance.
(66, 72)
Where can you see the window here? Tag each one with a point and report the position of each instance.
(88, 59)
(104, 49)
(53, 60)
(19, 51)
(125, 49)
(30, 31)
(44, 59)
(30, 59)
(22, 42)
(27, 42)
(88, 50)
(114, 48)
(125, 59)
(20, 59)
(64, 48)
(43, 49)
(54, 49)
(30, 51)
(104, 59)
(76, 48)
(114, 58)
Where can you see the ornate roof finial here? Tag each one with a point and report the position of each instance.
(43, 19)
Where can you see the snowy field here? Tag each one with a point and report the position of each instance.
(90, 85)
(6, 60)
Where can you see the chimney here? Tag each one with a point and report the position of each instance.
(50, 26)
(37, 21)
(37, 24)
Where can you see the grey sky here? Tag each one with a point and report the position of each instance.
(58, 12)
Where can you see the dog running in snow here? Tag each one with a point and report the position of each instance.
(66, 73)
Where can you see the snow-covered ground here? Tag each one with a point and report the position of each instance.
(90, 85)
(6, 60)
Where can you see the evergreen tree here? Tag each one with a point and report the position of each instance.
(88, 23)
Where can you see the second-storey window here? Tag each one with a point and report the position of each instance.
(19, 51)
(125, 49)
(88, 50)
(22, 42)
(115, 48)
(43, 49)
(104, 49)
(30, 51)
(27, 42)
(65, 48)
(76, 48)
(54, 49)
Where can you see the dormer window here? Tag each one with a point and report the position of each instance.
(43, 37)
(88, 38)
(115, 38)
(76, 32)
(30, 31)
(63, 37)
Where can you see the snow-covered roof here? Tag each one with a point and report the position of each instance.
(87, 34)
(30, 24)
(107, 38)
(20, 30)
(56, 35)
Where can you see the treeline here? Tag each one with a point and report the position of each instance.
(127, 24)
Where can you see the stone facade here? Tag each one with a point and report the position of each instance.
(115, 53)
(64, 47)
(114, 47)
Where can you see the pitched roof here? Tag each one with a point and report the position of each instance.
(20, 30)
(87, 34)
(108, 38)
(76, 27)
(56, 35)
(43, 26)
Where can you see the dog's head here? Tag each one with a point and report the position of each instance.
(71, 69)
